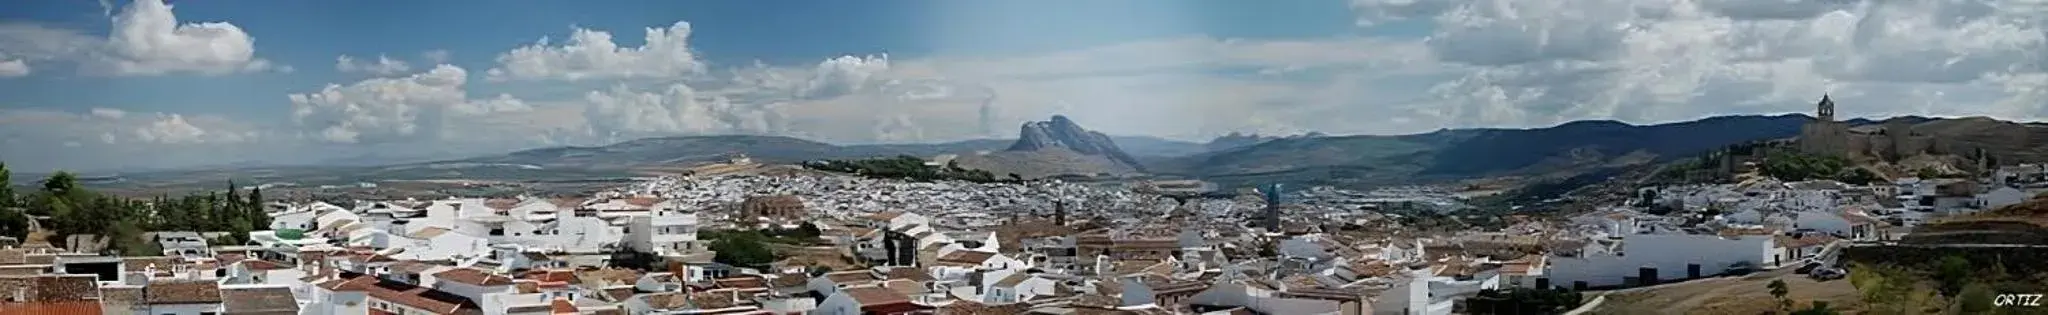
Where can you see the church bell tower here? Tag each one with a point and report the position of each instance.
(1826, 110)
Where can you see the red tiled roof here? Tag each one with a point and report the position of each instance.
(562, 306)
(401, 293)
(642, 201)
(472, 276)
(966, 257)
(181, 292)
(51, 308)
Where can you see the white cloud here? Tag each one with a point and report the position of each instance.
(845, 74)
(174, 129)
(145, 39)
(383, 66)
(621, 113)
(1538, 63)
(13, 68)
(419, 107)
(591, 54)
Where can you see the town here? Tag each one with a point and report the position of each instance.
(821, 244)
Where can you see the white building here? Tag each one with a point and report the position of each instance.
(1665, 256)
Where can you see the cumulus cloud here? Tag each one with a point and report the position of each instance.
(591, 54)
(13, 68)
(174, 129)
(843, 75)
(622, 112)
(145, 39)
(1535, 63)
(384, 109)
(383, 66)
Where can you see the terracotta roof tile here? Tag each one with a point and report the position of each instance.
(402, 293)
(52, 288)
(258, 300)
(181, 292)
(872, 296)
(965, 257)
(472, 276)
(51, 308)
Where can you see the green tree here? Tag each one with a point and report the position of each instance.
(1951, 274)
(259, 215)
(13, 223)
(742, 248)
(7, 198)
(61, 183)
(1778, 291)
(1976, 298)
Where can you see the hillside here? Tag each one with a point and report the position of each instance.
(1053, 147)
(1456, 154)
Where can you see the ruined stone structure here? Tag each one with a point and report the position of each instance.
(1824, 136)
(1892, 141)
(777, 207)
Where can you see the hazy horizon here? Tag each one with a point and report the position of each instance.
(145, 85)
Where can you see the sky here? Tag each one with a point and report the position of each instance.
(122, 86)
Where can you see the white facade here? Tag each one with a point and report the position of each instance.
(2003, 196)
(1670, 254)
(666, 233)
(182, 309)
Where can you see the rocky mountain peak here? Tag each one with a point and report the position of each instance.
(1061, 132)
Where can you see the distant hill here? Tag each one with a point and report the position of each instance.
(1147, 146)
(1579, 147)
(1057, 146)
(1455, 154)
(1238, 140)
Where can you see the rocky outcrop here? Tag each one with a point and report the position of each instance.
(1063, 133)
(1238, 140)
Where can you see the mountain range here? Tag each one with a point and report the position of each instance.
(1059, 146)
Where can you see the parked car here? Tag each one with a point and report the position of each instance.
(1825, 274)
(1808, 268)
(1739, 268)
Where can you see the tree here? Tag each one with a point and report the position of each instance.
(1951, 274)
(13, 223)
(1778, 291)
(1976, 298)
(7, 198)
(259, 216)
(742, 248)
(61, 183)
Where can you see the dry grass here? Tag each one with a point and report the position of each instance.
(1741, 295)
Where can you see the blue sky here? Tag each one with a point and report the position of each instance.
(132, 85)
(309, 34)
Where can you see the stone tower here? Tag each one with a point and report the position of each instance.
(1824, 135)
(1826, 111)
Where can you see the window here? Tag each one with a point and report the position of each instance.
(497, 231)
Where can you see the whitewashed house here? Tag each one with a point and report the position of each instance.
(1667, 257)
